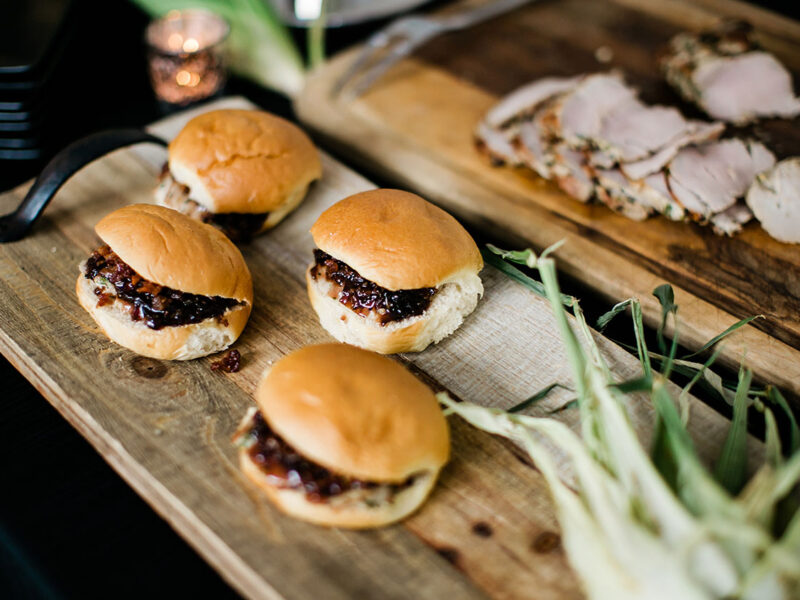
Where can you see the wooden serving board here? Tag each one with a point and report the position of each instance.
(415, 126)
(488, 530)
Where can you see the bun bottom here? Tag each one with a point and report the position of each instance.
(451, 304)
(184, 342)
(349, 515)
(292, 201)
(194, 209)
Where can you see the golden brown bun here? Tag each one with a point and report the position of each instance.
(451, 304)
(243, 161)
(397, 240)
(173, 250)
(357, 515)
(183, 342)
(355, 412)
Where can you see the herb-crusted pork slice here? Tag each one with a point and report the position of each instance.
(526, 99)
(774, 197)
(635, 131)
(570, 172)
(726, 74)
(708, 179)
(621, 195)
(577, 115)
(533, 150)
(731, 220)
(495, 133)
(695, 132)
(497, 144)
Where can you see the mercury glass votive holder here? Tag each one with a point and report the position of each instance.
(186, 55)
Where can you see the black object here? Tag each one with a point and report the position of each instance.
(14, 226)
(33, 36)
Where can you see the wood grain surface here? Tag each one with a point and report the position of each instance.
(415, 126)
(488, 530)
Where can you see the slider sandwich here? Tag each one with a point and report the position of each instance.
(242, 171)
(343, 437)
(392, 272)
(164, 285)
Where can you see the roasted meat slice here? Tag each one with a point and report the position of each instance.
(635, 131)
(708, 179)
(495, 133)
(532, 150)
(774, 197)
(731, 220)
(621, 195)
(525, 100)
(497, 144)
(696, 132)
(570, 172)
(577, 115)
(729, 76)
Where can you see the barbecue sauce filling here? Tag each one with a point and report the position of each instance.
(289, 469)
(364, 297)
(239, 227)
(158, 306)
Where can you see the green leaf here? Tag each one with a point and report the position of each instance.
(772, 439)
(641, 344)
(731, 468)
(606, 318)
(525, 257)
(666, 297)
(723, 335)
(566, 406)
(639, 384)
(683, 398)
(495, 259)
(535, 398)
(662, 456)
(774, 396)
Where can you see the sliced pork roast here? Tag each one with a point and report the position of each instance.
(729, 76)
(708, 179)
(500, 126)
(596, 139)
(774, 197)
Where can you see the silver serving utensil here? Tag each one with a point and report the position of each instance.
(401, 37)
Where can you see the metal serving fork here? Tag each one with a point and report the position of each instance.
(405, 35)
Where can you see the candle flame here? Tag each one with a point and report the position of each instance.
(191, 45)
(175, 41)
(187, 79)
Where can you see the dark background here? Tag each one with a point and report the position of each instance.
(69, 526)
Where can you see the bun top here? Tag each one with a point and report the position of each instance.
(173, 250)
(355, 412)
(397, 240)
(243, 161)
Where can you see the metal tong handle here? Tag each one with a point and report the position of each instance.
(14, 226)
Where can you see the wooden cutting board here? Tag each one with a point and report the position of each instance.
(415, 127)
(488, 529)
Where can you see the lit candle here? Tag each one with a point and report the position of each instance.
(186, 55)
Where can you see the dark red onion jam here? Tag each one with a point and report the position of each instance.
(158, 306)
(279, 460)
(364, 297)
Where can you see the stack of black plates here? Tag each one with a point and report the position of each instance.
(33, 34)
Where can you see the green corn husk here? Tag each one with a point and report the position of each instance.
(636, 527)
